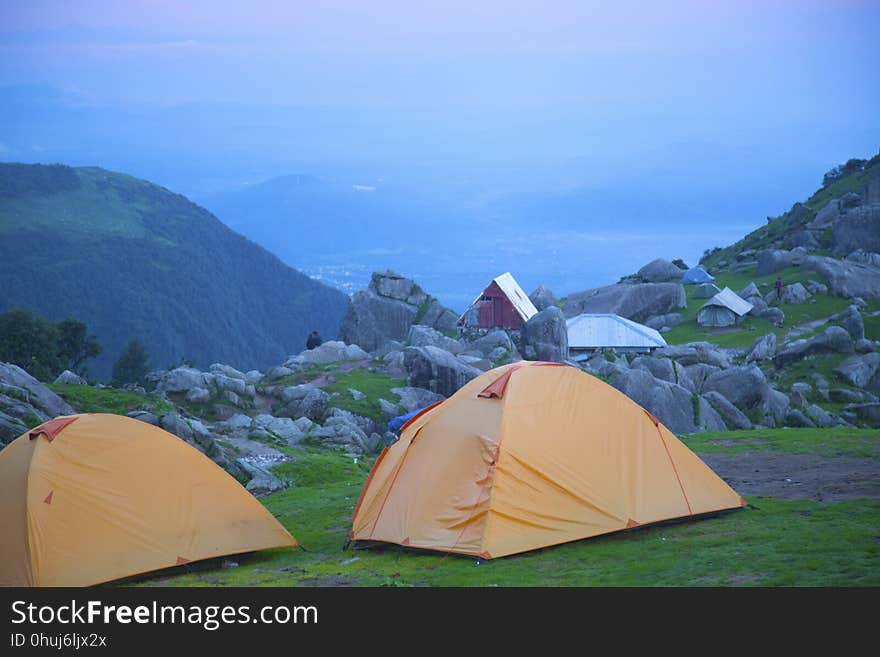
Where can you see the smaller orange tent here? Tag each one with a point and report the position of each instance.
(86, 499)
(530, 455)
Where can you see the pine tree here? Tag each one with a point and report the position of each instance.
(132, 365)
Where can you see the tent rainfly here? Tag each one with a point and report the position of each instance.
(696, 276)
(86, 499)
(706, 291)
(724, 309)
(588, 332)
(530, 455)
(503, 304)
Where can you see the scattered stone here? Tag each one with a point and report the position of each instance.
(70, 378)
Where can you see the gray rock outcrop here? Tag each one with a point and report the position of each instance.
(833, 340)
(542, 297)
(846, 278)
(636, 302)
(436, 370)
(672, 404)
(386, 310)
(545, 336)
(660, 271)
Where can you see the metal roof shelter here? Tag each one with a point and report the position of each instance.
(503, 304)
(724, 309)
(590, 331)
(695, 276)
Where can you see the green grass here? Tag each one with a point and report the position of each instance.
(837, 441)
(744, 334)
(87, 399)
(872, 327)
(823, 364)
(317, 469)
(374, 385)
(779, 543)
(300, 377)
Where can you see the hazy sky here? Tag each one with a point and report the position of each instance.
(696, 96)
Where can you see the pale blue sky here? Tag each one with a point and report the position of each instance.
(736, 108)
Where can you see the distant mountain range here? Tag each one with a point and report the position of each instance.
(134, 260)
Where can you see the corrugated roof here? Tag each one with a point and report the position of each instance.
(519, 299)
(727, 298)
(596, 330)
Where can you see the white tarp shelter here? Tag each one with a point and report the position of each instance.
(724, 309)
(590, 331)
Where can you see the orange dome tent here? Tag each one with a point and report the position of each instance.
(530, 455)
(86, 499)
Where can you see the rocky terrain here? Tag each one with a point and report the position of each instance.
(808, 357)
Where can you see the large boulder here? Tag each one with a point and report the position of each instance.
(424, 336)
(858, 228)
(196, 434)
(386, 310)
(231, 372)
(181, 379)
(664, 369)
(667, 320)
(773, 315)
(851, 320)
(436, 370)
(304, 400)
(732, 416)
(772, 260)
(283, 427)
(846, 278)
(749, 291)
(545, 336)
(490, 342)
(10, 428)
(346, 431)
(764, 348)
(15, 382)
(412, 399)
(69, 378)
(698, 373)
(821, 417)
(833, 340)
(542, 297)
(333, 351)
(660, 271)
(860, 371)
(262, 482)
(793, 294)
(745, 387)
(672, 404)
(636, 302)
(695, 352)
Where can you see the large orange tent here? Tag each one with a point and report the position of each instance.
(530, 455)
(91, 498)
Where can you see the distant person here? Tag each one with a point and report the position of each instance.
(314, 340)
(778, 285)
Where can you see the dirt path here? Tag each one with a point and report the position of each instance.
(798, 476)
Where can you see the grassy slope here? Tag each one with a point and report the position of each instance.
(778, 227)
(87, 399)
(780, 543)
(744, 334)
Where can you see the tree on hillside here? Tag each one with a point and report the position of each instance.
(75, 345)
(30, 341)
(132, 366)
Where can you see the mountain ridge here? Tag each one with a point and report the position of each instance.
(135, 260)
